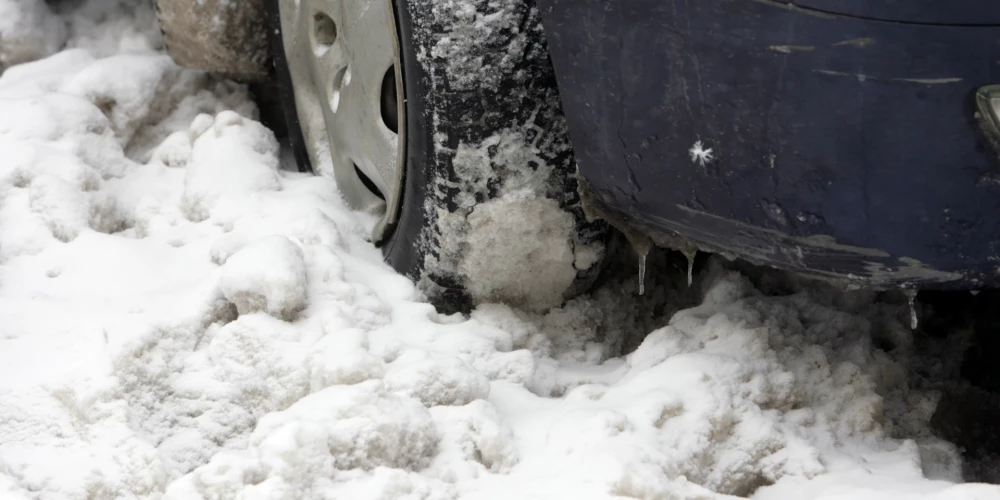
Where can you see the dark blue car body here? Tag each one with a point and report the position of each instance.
(843, 133)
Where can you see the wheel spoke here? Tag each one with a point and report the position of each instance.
(368, 35)
(329, 69)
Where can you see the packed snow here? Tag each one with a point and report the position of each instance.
(184, 317)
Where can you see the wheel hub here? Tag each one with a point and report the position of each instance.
(343, 56)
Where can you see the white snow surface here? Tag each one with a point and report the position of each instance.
(181, 318)
(28, 31)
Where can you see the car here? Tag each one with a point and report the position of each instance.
(496, 141)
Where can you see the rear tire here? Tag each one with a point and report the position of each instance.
(489, 209)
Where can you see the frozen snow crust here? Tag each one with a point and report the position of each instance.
(182, 319)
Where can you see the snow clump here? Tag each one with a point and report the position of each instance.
(436, 380)
(267, 275)
(230, 158)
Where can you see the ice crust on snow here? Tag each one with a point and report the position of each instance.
(180, 318)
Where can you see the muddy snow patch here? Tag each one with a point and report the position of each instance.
(504, 208)
(545, 246)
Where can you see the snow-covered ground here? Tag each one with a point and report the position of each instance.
(181, 318)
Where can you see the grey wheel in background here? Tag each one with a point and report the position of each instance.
(343, 59)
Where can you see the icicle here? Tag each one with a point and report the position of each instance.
(690, 256)
(911, 296)
(642, 274)
(642, 245)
